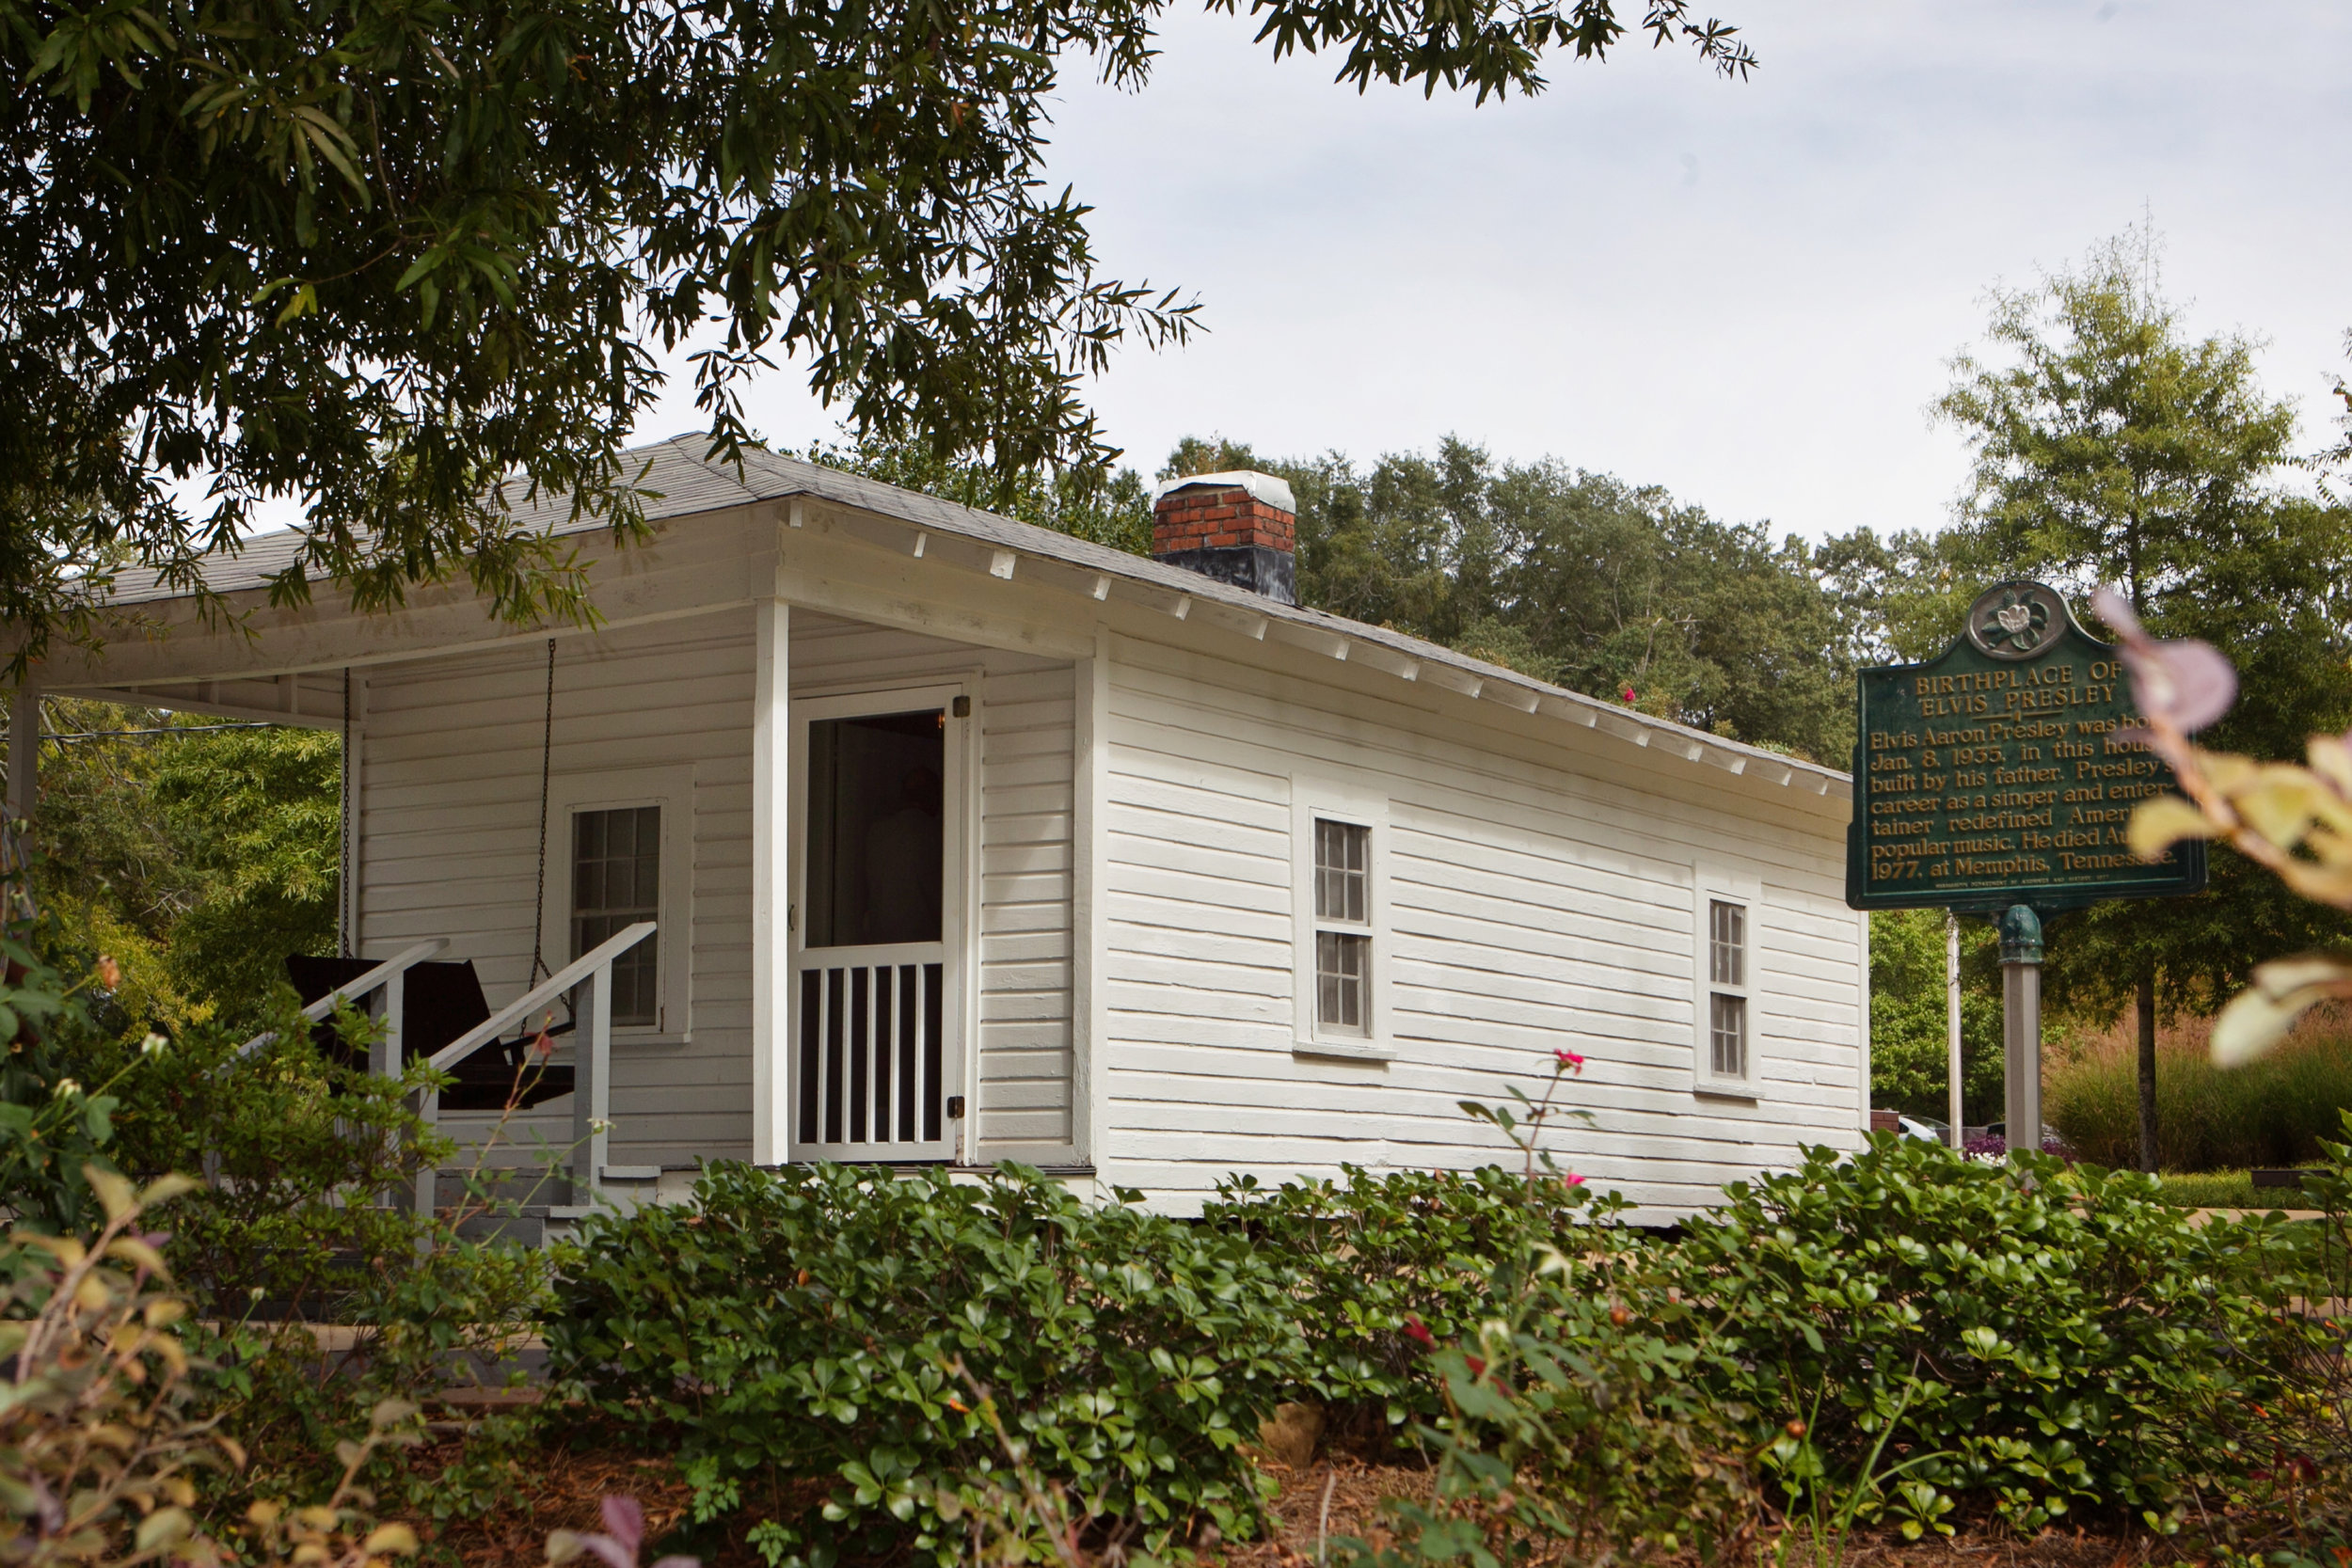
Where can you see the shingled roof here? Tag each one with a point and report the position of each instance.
(682, 483)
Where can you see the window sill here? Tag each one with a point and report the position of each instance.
(1352, 1051)
(1728, 1088)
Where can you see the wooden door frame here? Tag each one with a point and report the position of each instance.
(960, 878)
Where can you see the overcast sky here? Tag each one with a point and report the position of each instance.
(1745, 291)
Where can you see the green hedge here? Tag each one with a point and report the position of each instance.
(2274, 1111)
(809, 1322)
(1901, 1327)
(2037, 1335)
(1378, 1254)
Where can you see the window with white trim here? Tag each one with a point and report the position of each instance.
(1727, 988)
(1342, 882)
(620, 849)
(1340, 920)
(616, 881)
(1725, 993)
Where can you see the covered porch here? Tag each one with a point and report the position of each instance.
(799, 883)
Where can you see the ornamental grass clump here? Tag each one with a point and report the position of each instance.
(841, 1323)
(2276, 1110)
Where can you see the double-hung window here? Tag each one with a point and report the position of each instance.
(1726, 973)
(1727, 988)
(616, 881)
(1341, 933)
(620, 850)
(1343, 928)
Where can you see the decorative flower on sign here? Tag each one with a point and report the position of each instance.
(2017, 623)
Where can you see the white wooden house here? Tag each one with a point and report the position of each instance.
(965, 841)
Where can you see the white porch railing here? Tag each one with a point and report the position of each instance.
(592, 1044)
(591, 1056)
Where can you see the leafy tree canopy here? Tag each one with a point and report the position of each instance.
(1576, 577)
(2112, 446)
(198, 857)
(409, 263)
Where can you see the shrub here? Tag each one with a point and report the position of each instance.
(2045, 1334)
(289, 1139)
(1377, 1253)
(1574, 1433)
(821, 1320)
(102, 1440)
(2273, 1111)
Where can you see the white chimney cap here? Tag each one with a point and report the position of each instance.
(1274, 492)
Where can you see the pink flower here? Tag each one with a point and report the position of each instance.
(1570, 1059)
(1420, 1330)
(1628, 695)
(2187, 681)
(1572, 1180)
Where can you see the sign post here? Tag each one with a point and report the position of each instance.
(1951, 1022)
(2021, 1023)
(1988, 781)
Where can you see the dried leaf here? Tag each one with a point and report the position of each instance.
(165, 1188)
(114, 1190)
(2332, 759)
(397, 1540)
(2281, 802)
(2164, 821)
(163, 1528)
(2260, 1016)
(136, 1253)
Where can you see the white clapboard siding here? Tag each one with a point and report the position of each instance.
(451, 824)
(1537, 898)
(450, 820)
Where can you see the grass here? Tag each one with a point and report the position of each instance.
(2226, 1189)
(2271, 1111)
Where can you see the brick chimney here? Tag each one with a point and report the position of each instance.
(1237, 527)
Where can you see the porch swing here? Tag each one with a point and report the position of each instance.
(442, 1001)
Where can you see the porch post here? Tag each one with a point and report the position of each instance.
(24, 749)
(592, 1088)
(771, 911)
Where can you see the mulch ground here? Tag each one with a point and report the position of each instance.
(562, 1490)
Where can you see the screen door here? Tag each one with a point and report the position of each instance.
(875, 1048)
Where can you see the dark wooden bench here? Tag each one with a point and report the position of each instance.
(441, 1002)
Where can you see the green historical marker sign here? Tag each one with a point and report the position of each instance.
(1989, 777)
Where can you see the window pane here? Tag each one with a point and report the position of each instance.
(1727, 1036)
(1342, 966)
(1727, 937)
(616, 881)
(1342, 854)
(876, 845)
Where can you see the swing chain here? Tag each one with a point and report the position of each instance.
(346, 897)
(539, 898)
